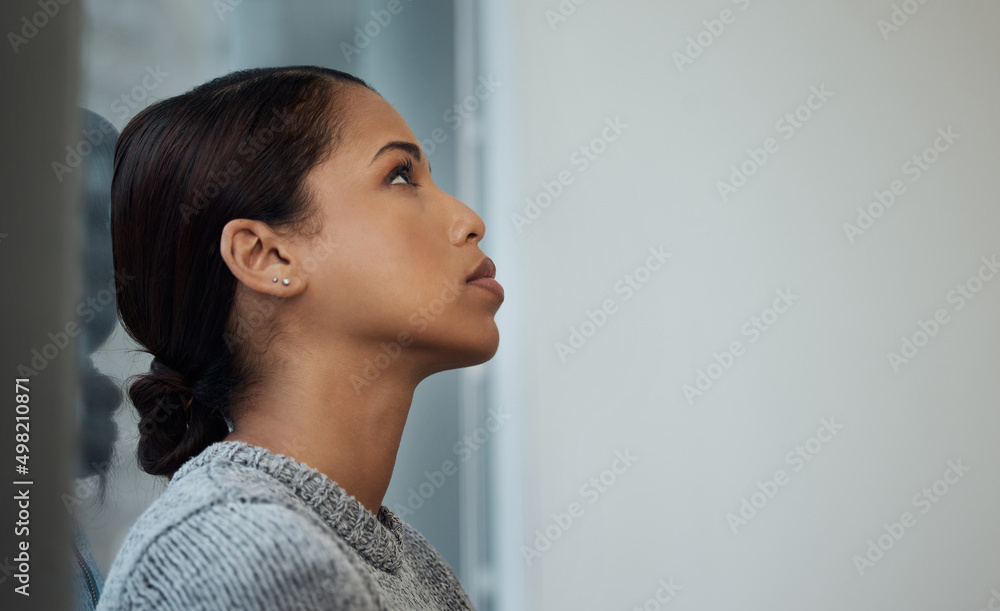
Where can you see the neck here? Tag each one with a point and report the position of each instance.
(326, 417)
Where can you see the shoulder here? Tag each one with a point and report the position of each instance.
(225, 536)
(201, 495)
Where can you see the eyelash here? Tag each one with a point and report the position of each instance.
(404, 169)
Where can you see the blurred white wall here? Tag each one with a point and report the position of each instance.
(882, 441)
(603, 134)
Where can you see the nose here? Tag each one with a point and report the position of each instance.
(466, 225)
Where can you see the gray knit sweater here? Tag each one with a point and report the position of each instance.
(240, 527)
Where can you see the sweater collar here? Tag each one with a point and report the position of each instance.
(377, 538)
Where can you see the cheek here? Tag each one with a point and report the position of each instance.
(388, 260)
(393, 261)
(410, 248)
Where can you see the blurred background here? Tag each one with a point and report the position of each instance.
(750, 250)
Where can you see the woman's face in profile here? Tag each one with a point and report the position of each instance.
(395, 251)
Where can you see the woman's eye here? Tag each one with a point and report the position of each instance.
(403, 171)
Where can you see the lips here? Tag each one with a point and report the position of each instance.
(483, 276)
(485, 269)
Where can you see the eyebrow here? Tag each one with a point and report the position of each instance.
(401, 145)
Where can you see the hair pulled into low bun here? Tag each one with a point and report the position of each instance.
(237, 147)
(174, 424)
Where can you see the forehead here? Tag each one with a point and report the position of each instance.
(369, 122)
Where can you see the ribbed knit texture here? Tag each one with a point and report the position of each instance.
(240, 527)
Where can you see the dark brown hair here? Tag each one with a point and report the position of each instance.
(239, 146)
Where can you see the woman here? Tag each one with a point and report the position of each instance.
(295, 273)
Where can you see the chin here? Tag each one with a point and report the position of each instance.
(489, 349)
(470, 351)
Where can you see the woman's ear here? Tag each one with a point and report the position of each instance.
(260, 258)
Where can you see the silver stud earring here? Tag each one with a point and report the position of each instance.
(286, 281)
(274, 279)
